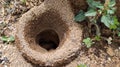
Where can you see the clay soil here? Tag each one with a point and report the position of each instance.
(101, 54)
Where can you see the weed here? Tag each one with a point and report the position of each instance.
(23, 1)
(98, 12)
(82, 65)
(7, 39)
(88, 42)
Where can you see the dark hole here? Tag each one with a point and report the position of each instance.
(93, 29)
(48, 39)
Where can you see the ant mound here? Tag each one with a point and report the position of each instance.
(47, 34)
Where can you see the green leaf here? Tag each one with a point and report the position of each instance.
(107, 20)
(11, 39)
(98, 4)
(104, 20)
(113, 26)
(23, 1)
(118, 28)
(119, 34)
(95, 4)
(90, 3)
(80, 17)
(98, 38)
(110, 11)
(7, 39)
(110, 21)
(88, 42)
(112, 3)
(115, 23)
(4, 38)
(82, 65)
(90, 12)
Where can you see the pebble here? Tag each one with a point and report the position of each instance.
(4, 47)
(110, 51)
(5, 59)
(109, 58)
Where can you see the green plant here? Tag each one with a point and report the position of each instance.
(119, 34)
(82, 65)
(98, 12)
(88, 42)
(23, 1)
(98, 38)
(7, 39)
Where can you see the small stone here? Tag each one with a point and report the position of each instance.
(4, 47)
(5, 59)
(119, 48)
(109, 58)
(110, 51)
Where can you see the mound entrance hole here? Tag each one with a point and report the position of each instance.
(46, 32)
(48, 39)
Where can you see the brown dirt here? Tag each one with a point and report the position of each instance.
(50, 16)
(99, 55)
(14, 56)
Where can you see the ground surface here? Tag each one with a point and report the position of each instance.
(100, 54)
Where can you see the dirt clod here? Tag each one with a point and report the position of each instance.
(110, 51)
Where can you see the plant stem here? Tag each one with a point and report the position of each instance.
(97, 29)
(106, 4)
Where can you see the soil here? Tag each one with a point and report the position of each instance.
(101, 54)
(50, 18)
